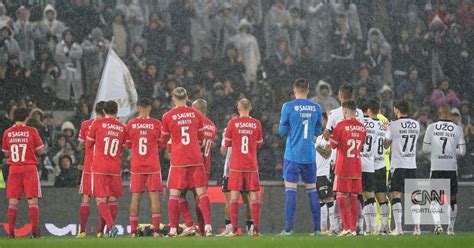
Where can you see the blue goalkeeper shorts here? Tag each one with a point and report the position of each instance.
(292, 172)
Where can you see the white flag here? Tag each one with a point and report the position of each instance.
(117, 84)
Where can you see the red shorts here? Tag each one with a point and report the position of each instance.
(106, 185)
(240, 181)
(187, 177)
(150, 182)
(346, 185)
(86, 185)
(27, 182)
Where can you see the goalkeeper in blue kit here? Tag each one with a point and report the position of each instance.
(301, 123)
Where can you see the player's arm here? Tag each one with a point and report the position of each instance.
(90, 139)
(461, 146)
(388, 138)
(324, 151)
(223, 148)
(319, 124)
(259, 135)
(5, 146)
(39, 146)
(165, 132)
(228, 135)
(128, 138)
(335, 138)
(427, 140)
(284, 125)
(329, 127)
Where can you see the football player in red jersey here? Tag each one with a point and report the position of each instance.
(244, 135)
(107, 137)
(143, 136)
(348, 138)
(85, 187)
(185, 126)
(21, 144)
(207, 143)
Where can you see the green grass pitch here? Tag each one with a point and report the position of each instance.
(269, 240)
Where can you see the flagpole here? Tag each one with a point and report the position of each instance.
(102, 74)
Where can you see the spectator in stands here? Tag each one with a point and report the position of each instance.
(95, 49)
(247, 47)
(69, 132)
(51, 29)
(148, 82)
(444, 95)
(364, 78)
(119, 31)
(23, 31)
(82, 113)
(349, 9)
(297, 30)
(277, 25)
(386, 101)
(68, 56)
(18, 81)
(320, 18)
(137, 60)
(68, 177)
(45, 75)
(156, 34)
(8, 47)
(4, 18)
(436, 43)
(413, 84)
(466, 114)
(324, 96)
(231, 66)
(343, 43)
(134, 19)
(225, 25)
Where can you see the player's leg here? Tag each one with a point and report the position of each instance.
(134, 211)
(290, 175)
(248, 211)
(322, 193)
(227, 223)
(435, 207)
(32, 188)
(369, 211)
(84, 210)
(453, 207)
(381, 195)
(234, 210)
(308, 174)
(415, 208)
(199, 217)
(11, 215)
(199, 182)
(341, 199)
(184, 209)
(100, 192)
(112, 201)
(14, 192)
(155, 211)
(396, 199)
(256, 205)
(176, 182)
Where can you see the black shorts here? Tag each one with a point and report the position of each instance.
(368, 182)
(380, 177)
(324, 187)
(398, 176)
(225, 183)
(453, 175)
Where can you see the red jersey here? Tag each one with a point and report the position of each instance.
(184, 125)
(107, 137)
(348, 138)
(143, 136)
(244, 135)
(209, 135)
(22, 142)
(89, 151)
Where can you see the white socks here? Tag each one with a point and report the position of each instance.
(384, 213)
(452, 212)
(397, 214)
(332, 216)
(324, 218)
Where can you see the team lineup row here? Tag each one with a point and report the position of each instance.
(346, 158)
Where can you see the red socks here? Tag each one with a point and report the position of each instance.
(200, 219)
(343, 211)
(133, 224)
(354, 212)
(105, 213)
(256, 213)
(155, 218)
(173, 211)
(113, 206)
(33, 211)
(101, 224)
(205, 207)
(234, 213)
(84, 215)
(11, 214)
(184, 211)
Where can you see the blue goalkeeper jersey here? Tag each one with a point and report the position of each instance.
(301, 122)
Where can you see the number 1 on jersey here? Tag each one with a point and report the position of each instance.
(305, 132)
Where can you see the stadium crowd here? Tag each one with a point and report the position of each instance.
(53, 52)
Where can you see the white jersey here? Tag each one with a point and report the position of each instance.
(381, 131)
(445, 138)
(404, 134)
(369, 149)
(227, 157)
(323, 164)
(334, 117)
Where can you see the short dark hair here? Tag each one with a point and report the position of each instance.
(402, 106)
(20, 114)
(301, 84)
(144, 102)
(374, 105)
(363, 104)
(351, 105)
(346, 91)
(325, 116)
(99, 107)
(111, 108)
